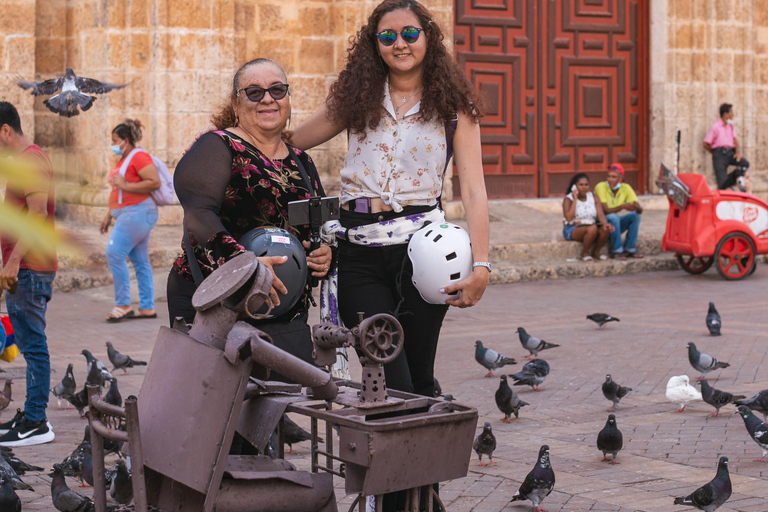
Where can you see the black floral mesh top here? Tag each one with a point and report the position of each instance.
(227, 187)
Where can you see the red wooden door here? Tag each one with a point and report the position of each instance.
(566, 84)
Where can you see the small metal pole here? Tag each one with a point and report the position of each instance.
(97, 455)
(328, 437)
(281, 438)
(138, 481)
(380, 503)
(415, 499)
(313, 436)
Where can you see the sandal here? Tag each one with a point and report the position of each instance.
(117, 315)
(618, 256)
(153, 315)
(635, 255)
(587, 258)
(602, 257)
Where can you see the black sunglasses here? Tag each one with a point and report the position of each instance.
(409, 34)
(256, 93)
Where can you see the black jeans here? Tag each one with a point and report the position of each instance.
(722, 158)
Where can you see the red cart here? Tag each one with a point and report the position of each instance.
(706, 226)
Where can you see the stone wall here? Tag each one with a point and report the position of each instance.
(705, 53)
(179, 58)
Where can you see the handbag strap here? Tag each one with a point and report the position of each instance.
(124, 169)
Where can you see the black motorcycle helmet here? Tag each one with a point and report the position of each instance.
(271, 241)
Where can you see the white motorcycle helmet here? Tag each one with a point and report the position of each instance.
(441, 255)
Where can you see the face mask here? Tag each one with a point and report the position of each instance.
(116, 149)
(617, 187)
(729, 121)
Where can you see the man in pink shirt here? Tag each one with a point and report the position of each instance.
(721, 141)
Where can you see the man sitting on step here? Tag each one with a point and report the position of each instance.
(622, 210)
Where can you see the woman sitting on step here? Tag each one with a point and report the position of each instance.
(580, 215)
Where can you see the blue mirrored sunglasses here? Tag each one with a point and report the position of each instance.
(409, 34)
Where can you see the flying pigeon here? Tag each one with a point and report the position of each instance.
(610, 440)
(533, 374)
(64, 498)
(113, 396)
(758, 403)
(533, 344)
(713, 495)
(680, 391)
(717, 398)
(121, 361)
(67, 387)
(295, 434)
(485, 444)
(5, 395)
(490, 359)
(9, 500)
(121, 489)
(507, 400)
(702, 362)
(613, 391)
(713, 320)
(75, 91)
(538, 483)
(757, 429)
(601, 319)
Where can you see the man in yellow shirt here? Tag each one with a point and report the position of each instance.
(618, 197)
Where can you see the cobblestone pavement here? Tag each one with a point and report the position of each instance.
(665, 454)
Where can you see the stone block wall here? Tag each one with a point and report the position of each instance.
(705, 53)
(179, 58)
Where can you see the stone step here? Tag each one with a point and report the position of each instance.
(525, 253)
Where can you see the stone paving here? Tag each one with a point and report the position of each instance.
(665, 454)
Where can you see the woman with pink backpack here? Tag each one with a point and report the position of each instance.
(131, 205)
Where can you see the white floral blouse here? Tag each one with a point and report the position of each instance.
(402, 162)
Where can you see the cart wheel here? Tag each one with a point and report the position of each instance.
(735, 256)
(695, 265)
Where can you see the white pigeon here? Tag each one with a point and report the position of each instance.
(680, 391)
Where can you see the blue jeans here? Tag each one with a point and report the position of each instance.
(130, 239)
(26, 310)
(629, 222)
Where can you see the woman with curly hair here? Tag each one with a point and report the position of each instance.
(403, 102)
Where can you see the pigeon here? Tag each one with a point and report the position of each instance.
(533, 344)
(438, 391)
(757, 429)
(6, 471)
(702, 362)
(507, 400)
(446, 405)
(713, 495)
(601, 319)
(121, 361)
(538, 483)
(9, 500)
(64, 498)
(485, 444)
(121, 489)
(80, 464)
(610, 440)
(5, 395)
(533, 374)
(717, 398)
(758, 403)
(79, 401)
(680, 391)
(713, 320)
(18, 465)
(67, 387)
(614, 392)
(295, 434)
(105, 375)
(490, 359)
(113, 395)
(75, 92)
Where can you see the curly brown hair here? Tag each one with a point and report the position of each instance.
(226, 116)
(357, 104)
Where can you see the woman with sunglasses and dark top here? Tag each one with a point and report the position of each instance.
(399, 98)
(240, 177)
(580, 215)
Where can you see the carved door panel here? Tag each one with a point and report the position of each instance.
(566, 83)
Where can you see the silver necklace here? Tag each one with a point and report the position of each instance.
(405, 100)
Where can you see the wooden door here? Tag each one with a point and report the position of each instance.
(566, 87)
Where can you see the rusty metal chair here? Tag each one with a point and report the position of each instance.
(106, 422)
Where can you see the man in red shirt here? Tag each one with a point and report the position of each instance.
(31, 278)
(721, 141)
